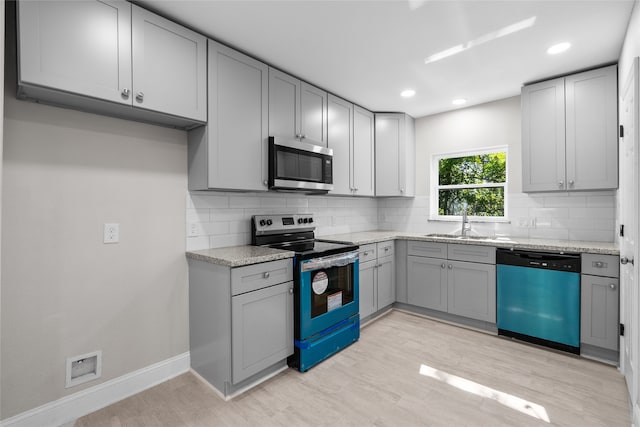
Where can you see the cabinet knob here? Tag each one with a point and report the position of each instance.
(386, 249)
(599, 264)
(571, 183)
(291, 291)
(125, 93)
(443, 265)
(450, 267)
(366, 253)
(139, 96)
(612, 286)
(625, 261)
(401, 190)
(561, 184)
(266, 275)
(265, 182)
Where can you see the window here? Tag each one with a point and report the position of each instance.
(472, 181)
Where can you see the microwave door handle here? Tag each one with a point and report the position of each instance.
(330, 261)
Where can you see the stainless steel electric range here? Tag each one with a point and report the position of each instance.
(326, 306)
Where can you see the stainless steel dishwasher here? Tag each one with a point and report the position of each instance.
(538, 297)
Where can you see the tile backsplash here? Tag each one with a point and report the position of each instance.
(219, 219)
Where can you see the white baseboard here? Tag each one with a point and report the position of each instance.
(66, 410)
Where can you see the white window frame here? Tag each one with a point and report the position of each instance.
(435, 187)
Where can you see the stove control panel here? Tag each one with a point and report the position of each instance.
(282, 222)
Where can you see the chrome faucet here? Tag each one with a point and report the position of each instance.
(466, 225)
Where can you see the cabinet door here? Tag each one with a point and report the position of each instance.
(386, 282)
(427, 282)
(238, 120)
(472, 290)
(363, 159)
(284, 108)
(169, 66)
(368, 289)
(78, 47)
(543, 136)
(340, 140)
(592, 129)
(599, 311)
(389, 133)
(261, 329)
(313, 114)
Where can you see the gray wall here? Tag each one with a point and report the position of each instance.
(64, 292)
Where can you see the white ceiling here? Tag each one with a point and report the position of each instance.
(369, 51)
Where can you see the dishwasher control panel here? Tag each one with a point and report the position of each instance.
(536, 259)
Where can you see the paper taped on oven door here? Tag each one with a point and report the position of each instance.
(334, 301)
(320, 282)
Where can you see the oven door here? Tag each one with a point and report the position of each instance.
(328, 292)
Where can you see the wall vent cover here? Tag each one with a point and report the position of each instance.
(83, 368)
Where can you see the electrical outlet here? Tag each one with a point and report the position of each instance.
(111, 233)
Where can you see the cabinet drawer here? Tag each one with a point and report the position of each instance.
(258, 276)
(428, 249)
(367, 252)
(601, 265)
(385, 248)
(483, 254)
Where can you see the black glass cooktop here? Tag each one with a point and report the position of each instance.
(313, 248)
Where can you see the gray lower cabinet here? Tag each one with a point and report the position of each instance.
(240, 321)
(427, 282)
(453, 278)
(600, 296)
(262, 329)
(377, 277)
(472, 290)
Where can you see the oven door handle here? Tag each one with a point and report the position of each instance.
(339, 260)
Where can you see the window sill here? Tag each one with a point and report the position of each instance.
(471, 220)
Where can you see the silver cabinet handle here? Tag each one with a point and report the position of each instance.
(139, 96)
(571, 183)
(401, 190)
(291, 291)
(366, 253)
(625, 260)
(266, 275)
(265, 182)
(450, 267)
(443, 265)
(125, 93)
(612, 286)
(386, 249)
(561, 184)
(599, 264)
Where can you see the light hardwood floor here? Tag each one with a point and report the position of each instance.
(377, 382)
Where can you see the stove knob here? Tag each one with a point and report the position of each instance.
(305, 220)
(262, 222)
(269, 222)
(310, 220)
(299, 220)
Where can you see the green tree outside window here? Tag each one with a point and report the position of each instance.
(473, 182)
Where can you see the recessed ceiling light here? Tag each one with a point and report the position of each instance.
(407, 93)
(459, 101)
(557, 48)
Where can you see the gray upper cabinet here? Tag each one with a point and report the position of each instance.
(169, 66)
(237, 129)
(351, 136)
(297, 110)
(363, 153)
(340, 132)
(107, 56)
(58, 50)
(569, 133)
(395, 155)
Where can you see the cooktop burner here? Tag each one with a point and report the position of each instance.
(293, 232)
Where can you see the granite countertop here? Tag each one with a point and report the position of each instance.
(237, 256)
(366, 237)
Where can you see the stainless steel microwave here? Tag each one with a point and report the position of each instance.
(299, 166)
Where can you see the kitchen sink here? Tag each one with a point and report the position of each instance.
(473, 237)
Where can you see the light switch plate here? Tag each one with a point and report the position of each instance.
(111, 233)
